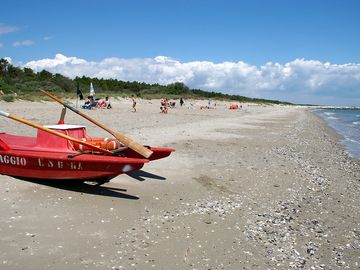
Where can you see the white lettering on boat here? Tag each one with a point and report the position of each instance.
(75, 166)
(19, 161)
(50, 164)
(41, 164)
(60, 164)
(45, 163)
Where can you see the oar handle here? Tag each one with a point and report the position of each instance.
(5, 114)
(34, 125)
(60, 101)
(104, 151)
(73, 109)
(52, 96)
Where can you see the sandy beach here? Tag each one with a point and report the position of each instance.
(264, 187)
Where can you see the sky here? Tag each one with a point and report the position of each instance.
(304, 51)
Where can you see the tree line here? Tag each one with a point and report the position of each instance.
(24, 83)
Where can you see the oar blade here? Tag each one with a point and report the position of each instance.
(142, 150)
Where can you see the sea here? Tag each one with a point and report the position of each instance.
(347, 124)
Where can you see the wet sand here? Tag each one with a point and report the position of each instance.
(265, 187)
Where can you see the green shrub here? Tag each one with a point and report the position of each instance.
(8, 98)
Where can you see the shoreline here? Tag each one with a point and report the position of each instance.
(343, 138)
(260, 188)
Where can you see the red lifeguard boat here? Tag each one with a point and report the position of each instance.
(47, 156)
(67, 152)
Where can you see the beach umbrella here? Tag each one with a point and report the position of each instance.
(92, 91)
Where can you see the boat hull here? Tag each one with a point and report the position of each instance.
(61, 166)
(49, 157)
(158, 153)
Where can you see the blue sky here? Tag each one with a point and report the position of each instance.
(199, 41)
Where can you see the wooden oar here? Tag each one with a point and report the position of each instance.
(145, 152)
(53, 132)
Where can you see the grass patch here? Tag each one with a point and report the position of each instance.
(8, 97)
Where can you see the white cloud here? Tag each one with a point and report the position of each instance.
(47, 38)
(27, 42)
(8, 59)
(301, 81)
(5, 29)
(1, 45)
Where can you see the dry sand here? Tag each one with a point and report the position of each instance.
(258, 188)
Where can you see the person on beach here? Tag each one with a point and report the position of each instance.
(87, 104)
(104, 104)
(164, 105)
(92, 101)
(107, 103)
(181, 102)
(100, 104)
(172, 104)
(134, 103)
